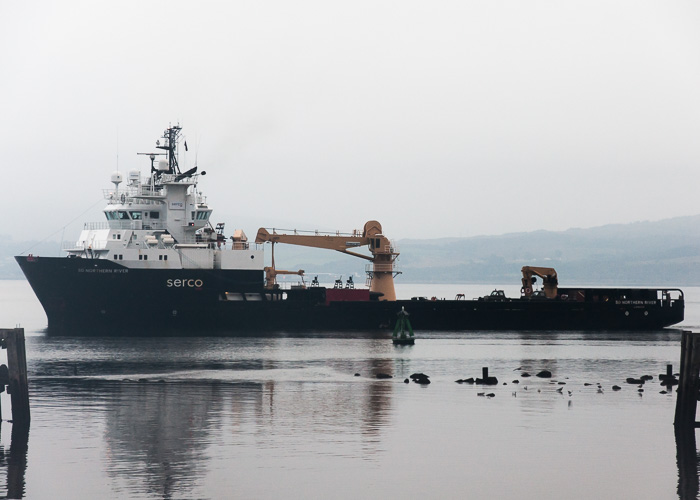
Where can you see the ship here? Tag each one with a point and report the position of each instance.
(158, 265)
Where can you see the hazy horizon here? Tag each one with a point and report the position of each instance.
(251, 234)
(449, 120)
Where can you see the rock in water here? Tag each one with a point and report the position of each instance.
(420, 378)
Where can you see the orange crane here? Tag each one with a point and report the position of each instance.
(549, 280)
(271, 272)
(383, 253)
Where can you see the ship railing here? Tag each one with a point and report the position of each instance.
(225, 244)
(389, 267)
(391, 248)
(192, 179)
(669, 296)
(276, 230)
(127, 192)
(125, 224)
(96, 226)
(290, 285)
(83, 245)
(129, 195)
(71, 245)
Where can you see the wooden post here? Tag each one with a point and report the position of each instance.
(485, 379)
(13, 341)
(687, 396)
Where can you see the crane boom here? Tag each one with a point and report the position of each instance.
(383, 253)
(329, 242)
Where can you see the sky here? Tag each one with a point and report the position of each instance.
(438, 119)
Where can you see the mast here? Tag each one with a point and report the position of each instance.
(170, 137)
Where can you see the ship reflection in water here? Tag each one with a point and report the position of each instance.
(161, 437)
(288, 418)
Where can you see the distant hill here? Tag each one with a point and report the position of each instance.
(665, 252)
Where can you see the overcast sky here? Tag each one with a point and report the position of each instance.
(442, 118)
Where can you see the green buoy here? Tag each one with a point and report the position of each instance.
(403, 333)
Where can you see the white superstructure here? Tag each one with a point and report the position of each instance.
(163, 222)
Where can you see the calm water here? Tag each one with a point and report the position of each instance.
(285, 417)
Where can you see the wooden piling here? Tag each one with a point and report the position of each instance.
(687, 395)
(13, 341)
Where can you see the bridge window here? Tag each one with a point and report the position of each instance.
(135, 215)
(155, 215)
(123, 215)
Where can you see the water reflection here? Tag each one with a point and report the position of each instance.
(15, 461)
(687, 459)
(156, 433)
(206, 417)
(161, 435)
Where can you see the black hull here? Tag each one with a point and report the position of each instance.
(100, 297)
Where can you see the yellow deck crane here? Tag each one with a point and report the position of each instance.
(549, 280)
(382, 258)
(272, 272)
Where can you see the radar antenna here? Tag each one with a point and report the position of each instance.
(152, 156)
